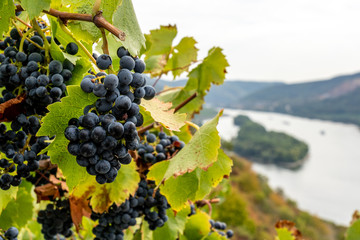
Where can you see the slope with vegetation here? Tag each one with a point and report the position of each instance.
(251, 208)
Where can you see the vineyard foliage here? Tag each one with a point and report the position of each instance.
(183, 174)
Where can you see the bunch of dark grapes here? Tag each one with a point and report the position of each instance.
(96, 141)
(56, 220)
(10, 234)
(156, 148)
(145, 203)
(21, 148)
(101, 138)
(25, 72)
(220, 228)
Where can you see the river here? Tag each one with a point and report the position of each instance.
(327, 184)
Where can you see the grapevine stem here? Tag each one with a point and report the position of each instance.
(17, 28)
(23, 39)
(46, 43)
(156, 81)
(192, 125)
(105, 47)
(185, 102)
(98, 20)
(67, 31)
(20, 20)
(168, 89)
(144, 129)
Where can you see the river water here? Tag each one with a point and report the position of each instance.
(327, 184)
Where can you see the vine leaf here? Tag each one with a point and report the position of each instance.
(19, 211)
(7, 196)
(102, 196)
(215, 236)
(174, 226)
(201, 151)
(284, 234)
(184, 54)
(159, 41)
(125, 19)
(353, 231)
(55, 123)
(79, 207)
(7, 10)
(197, 226)
(197, 184)
(161, 112)
(211, 71)
(34, 7)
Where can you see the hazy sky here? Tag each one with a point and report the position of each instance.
(288, 40)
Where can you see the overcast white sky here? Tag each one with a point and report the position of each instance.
(287, 40)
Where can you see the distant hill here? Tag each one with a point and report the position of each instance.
(336, 99)
(224, 95)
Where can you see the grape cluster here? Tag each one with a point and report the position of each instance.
(144, 203)
(96, 141)
(156, 148)
(220, 228)
(55, 220)
(23, 71)
(21, 148)
(101, 138)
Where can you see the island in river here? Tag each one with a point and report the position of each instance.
(254, 142)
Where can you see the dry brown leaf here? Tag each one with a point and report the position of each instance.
(79, 207)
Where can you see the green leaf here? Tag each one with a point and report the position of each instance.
(284, 234)
(214, 174)
(103, 195)
(211, 70)
(58, 54)
(7, 10)
(197, 184)
(108, 9)
(180, 95)
(201, 151)
(55, 123)
(7, 196)
(161, 112)
(31, 231)
(35, 7)
(215, 236)
(353, 232)
(160, 40)
(197, 226)
(19, 211)
(184, 54)
(125, 19)
(174, 226)
(81, 69)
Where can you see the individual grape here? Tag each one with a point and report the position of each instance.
(11, 233)
(87, 85)
(36, 57)
(111, 82)
(102, 167)
(72, 48)
(122, 52)
(127, 62)
(103, 61)
(149, 92)
(57, 80)
(139, 66)
(125, 77)
(21, 57)
(99, 90)
(55, 67)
